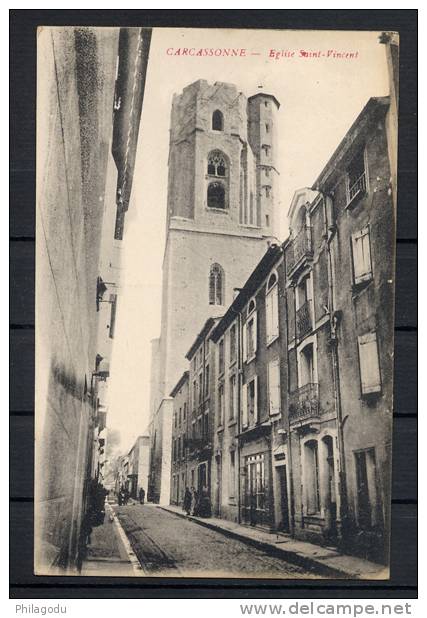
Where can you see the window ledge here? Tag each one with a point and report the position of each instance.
(356, 288)
(275, 338)
(231, 423)
(314, 517)
(249, 360)
(220, 428)
(355, 199)
(371, 396)
(250, 226)
(233, 362)
(224, 211)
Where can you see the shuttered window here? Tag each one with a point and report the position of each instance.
(220, 405)
(250, 332)
(252, 401)
(274, 386)
(272, 314)
(370, 376)
(244, 405)
(233, 346)
(251, 337)
(233, 397)
(362, 267)
(113, 302)
(221, 357)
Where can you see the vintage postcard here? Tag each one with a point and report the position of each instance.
(215, 302)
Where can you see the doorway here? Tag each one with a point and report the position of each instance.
(284, 506)
(331, 500)
(255, 510)
(218, 487)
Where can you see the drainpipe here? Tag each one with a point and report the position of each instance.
(239, 385)
(330, 231)
(288, 429)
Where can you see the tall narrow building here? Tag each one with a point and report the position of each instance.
(220, 214)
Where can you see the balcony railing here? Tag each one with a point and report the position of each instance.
(300, 248)
(359, 186)
(303, 316)
(198, 444)
(304, 403)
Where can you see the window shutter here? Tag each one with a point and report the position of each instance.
(366, 250)
(361, 255)
(113, 302)
(245, 343)
(244, 405)
(275, 312)
(256, 399)
(369, 363)
(274, 386)
(268, 312)
(255, 331)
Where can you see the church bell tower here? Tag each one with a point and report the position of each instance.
(220, 213)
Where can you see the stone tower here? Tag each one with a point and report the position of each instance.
(220, 213)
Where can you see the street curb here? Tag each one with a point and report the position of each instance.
(310, 564)
(136, 565)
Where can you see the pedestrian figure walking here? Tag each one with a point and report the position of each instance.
(194, 501)
(186, 505)
(141, 495)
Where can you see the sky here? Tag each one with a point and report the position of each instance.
(320, 97)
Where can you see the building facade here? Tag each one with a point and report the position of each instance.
(180, 435)
(358, 197)
(138, 457)
(199, 443)
(80, 185)
(220, 212)
(301, 399)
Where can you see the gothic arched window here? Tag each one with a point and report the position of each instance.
(216, 195)
(217, 121)
(216, 285)
(217, 165)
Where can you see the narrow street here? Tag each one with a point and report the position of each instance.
(168, 545)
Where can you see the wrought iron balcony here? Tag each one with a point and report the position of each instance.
(304, 403)
(357, 188)
(198, 444)
(299, 249)
(303, 318)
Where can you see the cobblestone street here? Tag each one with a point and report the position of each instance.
(167, 545)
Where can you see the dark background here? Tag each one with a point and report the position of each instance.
(23, 584)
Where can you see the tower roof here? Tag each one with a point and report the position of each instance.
(265, 95)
